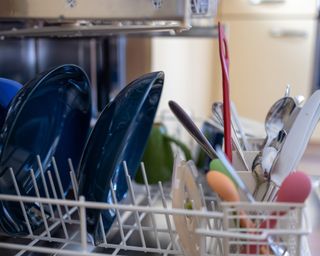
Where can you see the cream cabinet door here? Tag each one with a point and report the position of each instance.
(269, 7)
(265, 56)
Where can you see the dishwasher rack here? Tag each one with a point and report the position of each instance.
(144, 222)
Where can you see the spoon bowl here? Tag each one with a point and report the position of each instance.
(278, 116)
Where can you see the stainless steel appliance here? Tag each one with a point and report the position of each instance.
(92, 34)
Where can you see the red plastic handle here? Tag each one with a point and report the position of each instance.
(224, 59)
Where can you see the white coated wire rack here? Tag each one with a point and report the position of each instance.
(144, 223)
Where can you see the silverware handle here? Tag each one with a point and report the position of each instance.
(194, 131)
(236, 119)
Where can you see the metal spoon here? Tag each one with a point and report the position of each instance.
(299, 99)
(277, 117)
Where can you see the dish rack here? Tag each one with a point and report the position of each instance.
(144, 222)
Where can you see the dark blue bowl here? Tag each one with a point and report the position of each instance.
(8, 89)
(120, 134)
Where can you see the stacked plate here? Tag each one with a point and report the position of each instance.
(50, 116)
(119, 135)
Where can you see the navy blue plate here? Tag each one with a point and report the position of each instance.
(49, 116)
(8, 89)
(120, 134)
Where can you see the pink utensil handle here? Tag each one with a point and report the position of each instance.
(294, 189)
(224, 59)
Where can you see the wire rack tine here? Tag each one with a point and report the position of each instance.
(83, 225)
(213, 245)
(16, 187)
(204, 202)
(217, 226)
(38, 238)
(205, 208)
(133, 198)
(58, 178)
(133, 228)
(45, 186)
(40, 204)
(145, 180)
(73, 179)
(65, 244)
(115, 201)
(164, 203)
(74, 185)
(102, 230)
(58, 206)
(168, 248)
(170, 245)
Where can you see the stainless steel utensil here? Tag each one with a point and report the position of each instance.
(295, 143)
(277, 117)
(287, 91)
(236, 120)
(193, 130)
(217, 111)
(299, 99)
(271, 152)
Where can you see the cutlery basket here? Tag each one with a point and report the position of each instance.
(144, 225)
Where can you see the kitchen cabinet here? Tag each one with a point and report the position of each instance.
(269, 8)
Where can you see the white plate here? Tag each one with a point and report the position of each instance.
(186, 192)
